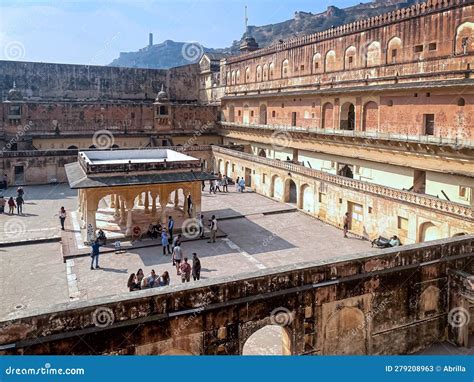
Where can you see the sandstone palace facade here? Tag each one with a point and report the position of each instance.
(374, 118)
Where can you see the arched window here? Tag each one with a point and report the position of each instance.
(265, 72)
(394, 50)
(233, 78)
(285, 69)
(247, 75)
(461, 102)
(350, 58)
(258, 74)
(316, 65)
(464, 42)
(373, 54)
(270, 71)
(327, 116)
(228, 78)
(237, 77)
(330, 61)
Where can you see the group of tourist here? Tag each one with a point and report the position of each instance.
(13, 203)
(216, 184)
(138, 281)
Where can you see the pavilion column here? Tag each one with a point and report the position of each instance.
(358, 114)
(164, 197)
(112, 200)
(122, 210)
(147, 203)
(176, 198)
(91, 225)
(153, 203)
(117, 206)
(129, 205)
(140, 199)
(197, 200)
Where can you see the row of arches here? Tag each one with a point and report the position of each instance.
(347, 116)
(371, 54)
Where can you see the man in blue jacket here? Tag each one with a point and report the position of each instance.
(95, 255)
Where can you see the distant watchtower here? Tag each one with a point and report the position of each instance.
(248, 44)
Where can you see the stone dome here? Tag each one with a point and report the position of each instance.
(162, 95)
(14, 94)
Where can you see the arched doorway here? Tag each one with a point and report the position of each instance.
(226, 169)
(231, 113)
(429, 231)
(246, 115)
(276, 189)
(306, 202)
(269, 340)
(291, 192)
(370, 120)
(327, 116)
(345, 332)
(347, 116)
(262, 153)
(345, 171)
(263, 115)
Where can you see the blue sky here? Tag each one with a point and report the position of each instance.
(94, 32)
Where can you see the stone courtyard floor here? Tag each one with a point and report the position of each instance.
(260, 234)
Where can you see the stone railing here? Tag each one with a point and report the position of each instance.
(445, 206)
(356, 26)
(424, 139)
(37, 153)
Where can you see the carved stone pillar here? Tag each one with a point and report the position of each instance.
(153, 203)
(117, 206)
(147, 203)
(122, 210)
(140, 200)
(112, 200)
(129, 205)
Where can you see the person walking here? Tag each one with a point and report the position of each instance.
(164, 242)
(225, 183)
(177, 258)
(201, 226)
(345, 224)
(3, 202)
(20, 192)
(237, 185)
(218, 183)
(213, 229)
(62, 217)
(189, 204)
(11, 206)
(170, 227)
(196, 267)
(176, 241)
(185, 269)
(242, 185)
(211, 186)
(19, 204)
(95, 255)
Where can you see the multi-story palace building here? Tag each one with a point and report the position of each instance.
(374, 118)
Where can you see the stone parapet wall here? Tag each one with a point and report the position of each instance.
(383, 302)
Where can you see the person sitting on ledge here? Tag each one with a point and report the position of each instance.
(394, 241)
(101, 238)
(151, 232)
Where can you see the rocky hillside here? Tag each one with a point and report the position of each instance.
(170, 53)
